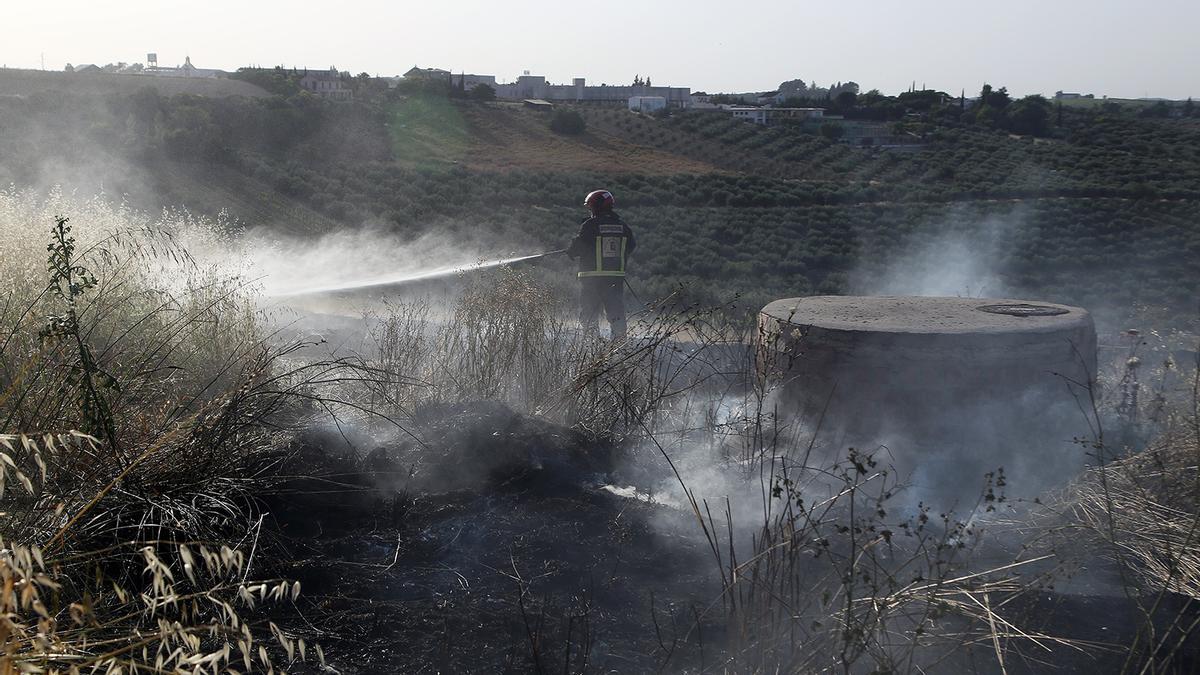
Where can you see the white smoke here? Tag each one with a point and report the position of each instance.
(282, 265)
(965, 259)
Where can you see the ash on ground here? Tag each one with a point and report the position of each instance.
(498, 543)
(492, 546)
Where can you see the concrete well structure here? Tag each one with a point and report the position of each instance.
(973, 383)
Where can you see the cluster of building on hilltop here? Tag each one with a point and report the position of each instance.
(767, 108)
(328, 83)
(642, 97)
(150, 68)
(535, 87)
(762, 109)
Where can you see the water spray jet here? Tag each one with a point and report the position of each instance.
(407, 278)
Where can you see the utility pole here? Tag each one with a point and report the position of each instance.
(43, 60)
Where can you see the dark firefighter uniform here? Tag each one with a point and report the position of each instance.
(602, 246)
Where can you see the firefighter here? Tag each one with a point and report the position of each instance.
(602, 246)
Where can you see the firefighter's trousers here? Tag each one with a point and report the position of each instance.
(602, 292)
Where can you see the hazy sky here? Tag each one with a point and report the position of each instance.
(1119, 48)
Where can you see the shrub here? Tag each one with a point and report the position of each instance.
(569, 122)
(483, 92)
(832, 130)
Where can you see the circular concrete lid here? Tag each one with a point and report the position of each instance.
(923, 315)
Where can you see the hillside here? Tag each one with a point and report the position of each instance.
(15, 82)
(431, 131)
(1101, 211)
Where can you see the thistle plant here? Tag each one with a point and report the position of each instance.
(69, 281)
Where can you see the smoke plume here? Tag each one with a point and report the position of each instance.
(965, 258)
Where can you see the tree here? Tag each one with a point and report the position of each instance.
(992, 103)
(793, 88)
(1029, 115)
(997, 98)
(922, 100)
(647, 80)
(872, 97)
(483, 92)
(988, 116)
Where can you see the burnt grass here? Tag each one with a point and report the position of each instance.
(488, 547)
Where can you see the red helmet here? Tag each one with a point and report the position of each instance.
(599, 201)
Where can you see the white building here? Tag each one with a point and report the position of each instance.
(647, 104)
(769, 116)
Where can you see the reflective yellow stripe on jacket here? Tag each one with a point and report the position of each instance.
(616, 266)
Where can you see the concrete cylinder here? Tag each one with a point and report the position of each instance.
(965, 380)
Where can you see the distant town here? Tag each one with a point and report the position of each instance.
(795, 102)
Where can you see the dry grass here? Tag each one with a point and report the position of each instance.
(1138, 509)
(1145, 511)
(143, 409)
(1141, 504)
(190, 611)
(507, 338)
